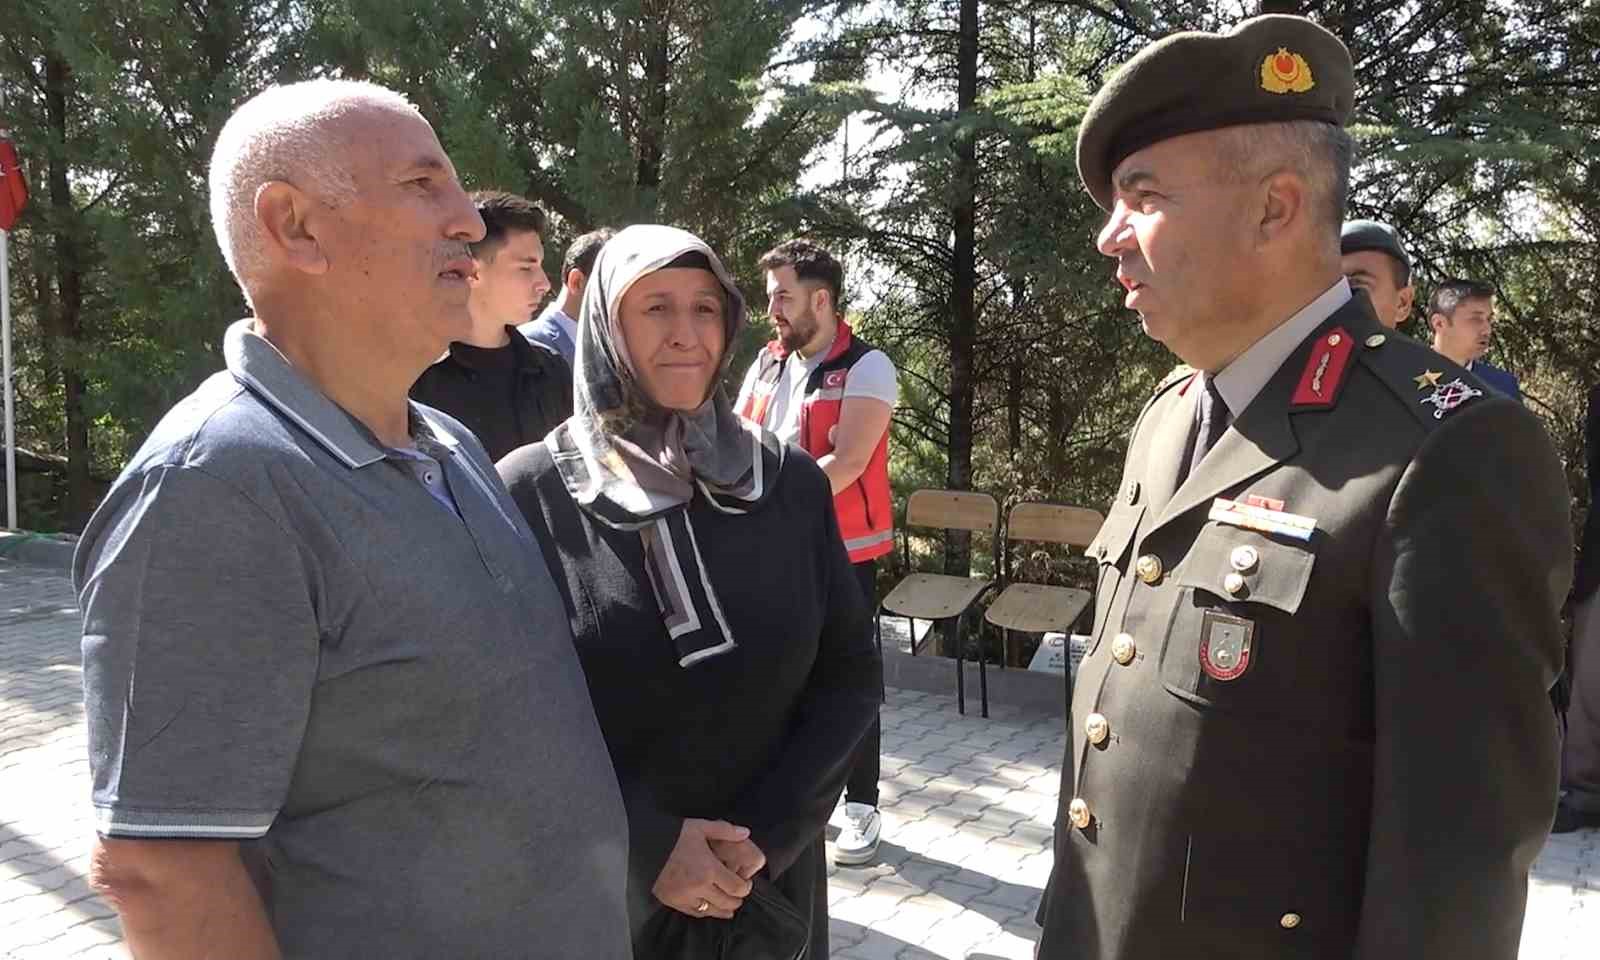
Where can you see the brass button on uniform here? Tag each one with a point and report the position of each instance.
(1123, 648)
(1078, 813)
(1289, 921)
(1233, 583)
(1244, 559)
(1097, 728)
(1334, 340)
(1149, 568)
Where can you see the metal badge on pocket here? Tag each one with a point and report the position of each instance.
(1225, 645)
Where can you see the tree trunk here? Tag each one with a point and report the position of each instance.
(653, 108)
(964, 320)
(64, 324)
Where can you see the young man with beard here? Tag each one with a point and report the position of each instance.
(820, 387)
(507, 389)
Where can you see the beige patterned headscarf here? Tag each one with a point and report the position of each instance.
(635, 465)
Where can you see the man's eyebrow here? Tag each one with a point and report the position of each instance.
(1133, 179)
(427, 164)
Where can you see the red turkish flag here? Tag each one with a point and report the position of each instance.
(13, 188)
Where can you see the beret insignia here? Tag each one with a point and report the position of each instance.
(1285, 72)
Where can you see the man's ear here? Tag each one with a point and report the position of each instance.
(574, 281)
(283, 211)
(1283, 205)
(477, 272)
(1403, 302)
(1437, 321)
(822, 300)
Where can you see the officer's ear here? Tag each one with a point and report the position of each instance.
(574, 281)
(1283, 205)
(1437, 322)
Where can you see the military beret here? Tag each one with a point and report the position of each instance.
(1269, 69)
(1359, 235)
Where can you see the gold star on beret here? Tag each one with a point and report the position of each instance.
(1269, 69)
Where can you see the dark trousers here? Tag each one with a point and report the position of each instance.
(1580, 754)
(862, 787)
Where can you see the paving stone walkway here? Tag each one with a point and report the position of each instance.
(967, 804)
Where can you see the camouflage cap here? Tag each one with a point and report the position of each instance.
(1265, 70)
(1359, 235)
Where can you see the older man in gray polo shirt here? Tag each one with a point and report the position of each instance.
(312, 615)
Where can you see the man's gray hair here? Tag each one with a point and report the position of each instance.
(283, 133)
(1319, 153)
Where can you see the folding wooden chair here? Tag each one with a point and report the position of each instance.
(936, 596)
(1037, 607)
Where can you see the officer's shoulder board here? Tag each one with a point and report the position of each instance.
(1175, 379)
(1425, 383)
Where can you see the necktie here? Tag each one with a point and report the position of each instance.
(1212, 418)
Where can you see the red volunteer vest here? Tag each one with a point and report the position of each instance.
(865, 508)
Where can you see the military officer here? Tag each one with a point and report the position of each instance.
(1312, 721)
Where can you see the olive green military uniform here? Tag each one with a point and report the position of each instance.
(1313, 720)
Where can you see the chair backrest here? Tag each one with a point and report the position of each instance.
(1053, 523)
(953, 510)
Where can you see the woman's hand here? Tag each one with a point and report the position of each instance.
(742, 857)
(694, 875)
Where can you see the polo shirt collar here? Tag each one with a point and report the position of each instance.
(266, 372)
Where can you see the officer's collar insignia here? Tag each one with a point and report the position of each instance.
(1427, 378)
(1448, 396)
(1285, 72)
(1325, 370)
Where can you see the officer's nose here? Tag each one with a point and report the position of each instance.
(1116, 237)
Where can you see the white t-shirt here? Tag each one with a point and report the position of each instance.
(871, 376)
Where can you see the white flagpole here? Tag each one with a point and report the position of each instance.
(5, 369)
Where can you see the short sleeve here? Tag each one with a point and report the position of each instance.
(746, 388)
(200, 650)
(873, 376)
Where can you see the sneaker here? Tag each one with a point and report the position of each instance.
(1568, 819)
(858, 840)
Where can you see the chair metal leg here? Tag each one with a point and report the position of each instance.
(877, 636)
(961, 673)
(1005, 646)
(911, 628)
(983, 675)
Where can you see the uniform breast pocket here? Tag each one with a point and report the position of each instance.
(1111, 548)
(1230, 641)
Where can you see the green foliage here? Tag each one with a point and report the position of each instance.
(1477, 122)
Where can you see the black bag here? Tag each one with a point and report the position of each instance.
(766, 927)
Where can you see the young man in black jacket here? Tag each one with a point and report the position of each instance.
(507, 389)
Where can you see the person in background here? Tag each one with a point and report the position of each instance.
(1461, 316)
(314, 621)
(1313, 720)
(725, 641)
(557, 327)
(1580, 755)
(507, 390)
(827, 391)
(1373, 260)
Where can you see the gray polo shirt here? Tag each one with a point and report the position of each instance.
(286, 636)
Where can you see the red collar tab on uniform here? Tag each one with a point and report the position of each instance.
(1325, 370)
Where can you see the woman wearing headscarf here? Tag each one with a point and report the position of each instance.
(726, 643)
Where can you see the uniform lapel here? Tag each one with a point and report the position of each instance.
(1169, 438)
(1258, 439)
